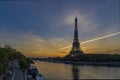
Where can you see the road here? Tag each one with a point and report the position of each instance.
(18, 74)
(14, 72)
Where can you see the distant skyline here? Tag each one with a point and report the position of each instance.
(42, 28)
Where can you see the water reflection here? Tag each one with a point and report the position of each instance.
(75, 72)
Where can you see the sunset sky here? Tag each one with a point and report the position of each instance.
(45, 28)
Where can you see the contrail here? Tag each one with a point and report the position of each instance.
(99, 38)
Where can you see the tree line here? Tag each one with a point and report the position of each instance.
(8, 54)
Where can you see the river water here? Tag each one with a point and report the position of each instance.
(59, 71)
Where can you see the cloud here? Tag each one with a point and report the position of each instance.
(86, 22)
(33, 45)
(52, 27)
(95, 39)
(36, 46)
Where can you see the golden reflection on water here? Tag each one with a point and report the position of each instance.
(58, 71)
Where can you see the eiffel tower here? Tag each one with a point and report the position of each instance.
(76, 50)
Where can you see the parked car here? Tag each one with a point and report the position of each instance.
(9, 73)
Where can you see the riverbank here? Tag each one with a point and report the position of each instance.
(34, 74)
(86, 59)
(93, 63)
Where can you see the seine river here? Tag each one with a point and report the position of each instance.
(59, 71)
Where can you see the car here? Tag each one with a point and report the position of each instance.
(9, 73)
(29, 77)
(40, 77)
(4, 77)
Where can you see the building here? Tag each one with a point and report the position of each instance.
(76, 49)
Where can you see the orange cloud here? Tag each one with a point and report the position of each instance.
(35, 46)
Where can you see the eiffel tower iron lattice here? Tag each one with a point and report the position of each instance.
(76, 49)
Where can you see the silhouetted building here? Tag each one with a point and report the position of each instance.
(76, 50)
